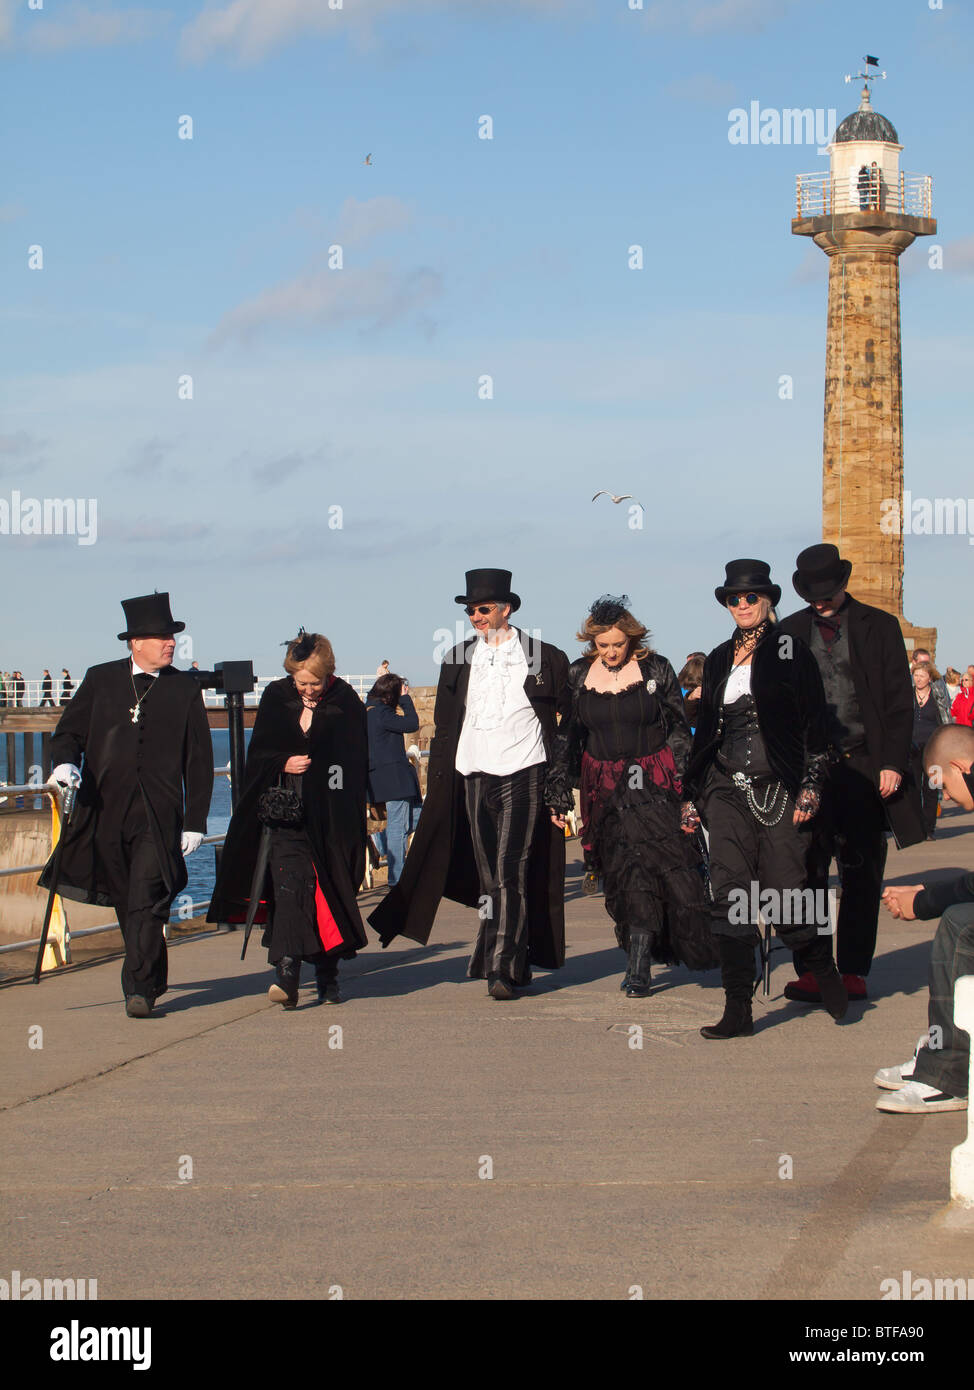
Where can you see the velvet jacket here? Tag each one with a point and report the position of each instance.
(790, 702)
(884, 691)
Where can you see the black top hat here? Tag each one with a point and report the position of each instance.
(747, 576)
(149, 615)
(489, 586)
(821, 573)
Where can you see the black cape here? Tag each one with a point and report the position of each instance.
(167, 755)
(334, 794)
(440, 863)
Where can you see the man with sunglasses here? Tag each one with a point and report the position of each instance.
(862, 659)
(485, 838)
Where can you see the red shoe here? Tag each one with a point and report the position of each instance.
(855, 986)
(805, 989)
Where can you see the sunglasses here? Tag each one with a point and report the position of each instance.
(483, 609)
(734, 599)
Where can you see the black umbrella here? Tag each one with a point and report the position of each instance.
(257, 883)
(67, 806)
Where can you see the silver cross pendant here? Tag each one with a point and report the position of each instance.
(134, 712)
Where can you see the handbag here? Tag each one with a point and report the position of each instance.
(280, 807)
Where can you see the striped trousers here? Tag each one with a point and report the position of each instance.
(504, 815)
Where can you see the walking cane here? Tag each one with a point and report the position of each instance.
(257, 883)
(67, 806)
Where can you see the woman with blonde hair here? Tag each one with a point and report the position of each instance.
(625, 743)
(306, 774)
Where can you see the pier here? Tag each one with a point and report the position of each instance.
(574, 1144)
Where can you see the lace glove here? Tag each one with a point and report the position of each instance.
(808, 801)
(689, 816)
(191, 841)
(67, 775)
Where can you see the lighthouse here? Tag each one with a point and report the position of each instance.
(864, 212)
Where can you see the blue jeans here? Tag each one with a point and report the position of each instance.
(402, 818)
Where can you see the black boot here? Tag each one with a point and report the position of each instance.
(326, 978)
(284, 991)
(817, 957)
(737, 977)
(640, 962)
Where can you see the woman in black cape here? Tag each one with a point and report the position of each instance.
(309, 737)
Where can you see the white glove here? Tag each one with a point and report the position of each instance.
(191, 841)
(67, 775)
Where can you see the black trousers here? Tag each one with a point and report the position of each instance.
(141, 899)
(929, 796)
(851, 827)
(951, 956)
(504, 815)
(747, 858)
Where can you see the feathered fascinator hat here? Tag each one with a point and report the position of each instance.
(301, 646)
(608, 609)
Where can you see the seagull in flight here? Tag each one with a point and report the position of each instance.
(626, 497)
(367, 159)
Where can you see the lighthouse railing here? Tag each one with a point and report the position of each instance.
(822, 194)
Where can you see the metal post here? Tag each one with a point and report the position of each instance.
(235, 728)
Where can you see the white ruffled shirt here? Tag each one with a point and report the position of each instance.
(501, 733)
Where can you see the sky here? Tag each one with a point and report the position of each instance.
(279, 441)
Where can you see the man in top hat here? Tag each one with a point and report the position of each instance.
(485, 837)
(869, 695)
(144, 790)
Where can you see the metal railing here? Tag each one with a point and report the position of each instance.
(820, 194)
(32, 693)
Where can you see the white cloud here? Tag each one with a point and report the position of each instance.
(250, 29)
(83, 27)
(359, 221)
(376, 295)
(716, 16)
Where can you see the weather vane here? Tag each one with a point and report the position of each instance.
(867, 76)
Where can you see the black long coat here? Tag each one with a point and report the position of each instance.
(168, 754)
(884, 690)
(790, 702)
(334, 795)
(440, 863)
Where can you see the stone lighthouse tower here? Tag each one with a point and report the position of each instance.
(863, 213)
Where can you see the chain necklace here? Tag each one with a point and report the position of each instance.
(767, 812)
(136, 709)
(746, 639)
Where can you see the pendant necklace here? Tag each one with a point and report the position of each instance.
(614, 671)
(136, 709)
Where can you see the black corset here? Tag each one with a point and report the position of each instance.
(741, 745)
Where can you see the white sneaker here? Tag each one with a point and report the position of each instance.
(917, 1098)
(892, 1078)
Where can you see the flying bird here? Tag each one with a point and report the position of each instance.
(626, 497)
(367, 159)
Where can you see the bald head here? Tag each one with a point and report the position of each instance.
(947, 761)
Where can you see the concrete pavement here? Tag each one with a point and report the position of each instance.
(226, 1149)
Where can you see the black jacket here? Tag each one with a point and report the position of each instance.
(884, 690)
(440, 863)
(392, 776)
(569, 745)
(790, 701)
(168, 754)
